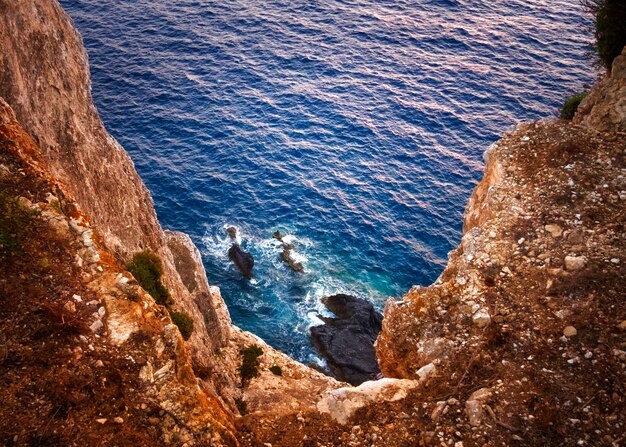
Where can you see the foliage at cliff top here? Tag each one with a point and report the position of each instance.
(147, 269)
(610, 28)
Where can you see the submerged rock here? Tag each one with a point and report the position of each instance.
(347, 342)
(287, 254)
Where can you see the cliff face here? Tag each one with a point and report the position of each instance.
(44, 79)
(522, 340)
(604, 109)
(87, 354)
(44, 76)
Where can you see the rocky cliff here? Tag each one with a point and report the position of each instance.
(521, 341)
(53, 128)
(44, 77)
(526, 325)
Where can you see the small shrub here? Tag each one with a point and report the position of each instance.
(56, 205)
(184, 323)
(242, 406)
(610, 28)
(249, 368)
(571, 105)
(15, 222)
(147, 269)
(277, 370)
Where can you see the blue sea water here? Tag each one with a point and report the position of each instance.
(355, 126)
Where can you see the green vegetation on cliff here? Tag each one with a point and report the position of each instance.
(276, 370)
(15, 222)
(184, 323)
(249, 368)
(147, 269)
(571, 105)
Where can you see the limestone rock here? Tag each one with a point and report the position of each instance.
(426, 371)
(481, 318)
(575, 262)
(604, 109)
(570, 331)
(474, 411)
(474, 405)
(70, 307)
(554, 230)
(438, 410)
(96, 326)
(343, 402)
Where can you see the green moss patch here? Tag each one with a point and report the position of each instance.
(16, 220)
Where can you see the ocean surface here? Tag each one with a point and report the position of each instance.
(355, 127)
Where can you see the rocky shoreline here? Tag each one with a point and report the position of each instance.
(521, 341)
(347, 341)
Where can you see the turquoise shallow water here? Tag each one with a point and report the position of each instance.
(356, 127)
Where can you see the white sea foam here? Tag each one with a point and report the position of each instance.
(314, 319)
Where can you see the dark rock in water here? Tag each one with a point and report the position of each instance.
(347, 342)
(231, 232)
(287, 254)
(242, 259)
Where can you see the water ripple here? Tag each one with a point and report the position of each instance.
(357, 126)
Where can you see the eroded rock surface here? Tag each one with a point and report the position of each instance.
(530, 302)
(44, 78)
(604, 109)
(86, 348)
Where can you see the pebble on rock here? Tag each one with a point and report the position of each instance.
(438, 410)
(96, 326)
(70, 307)
(554, 230)
(575, 262)
(481, 318)
(570, 331)
(425, 371)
